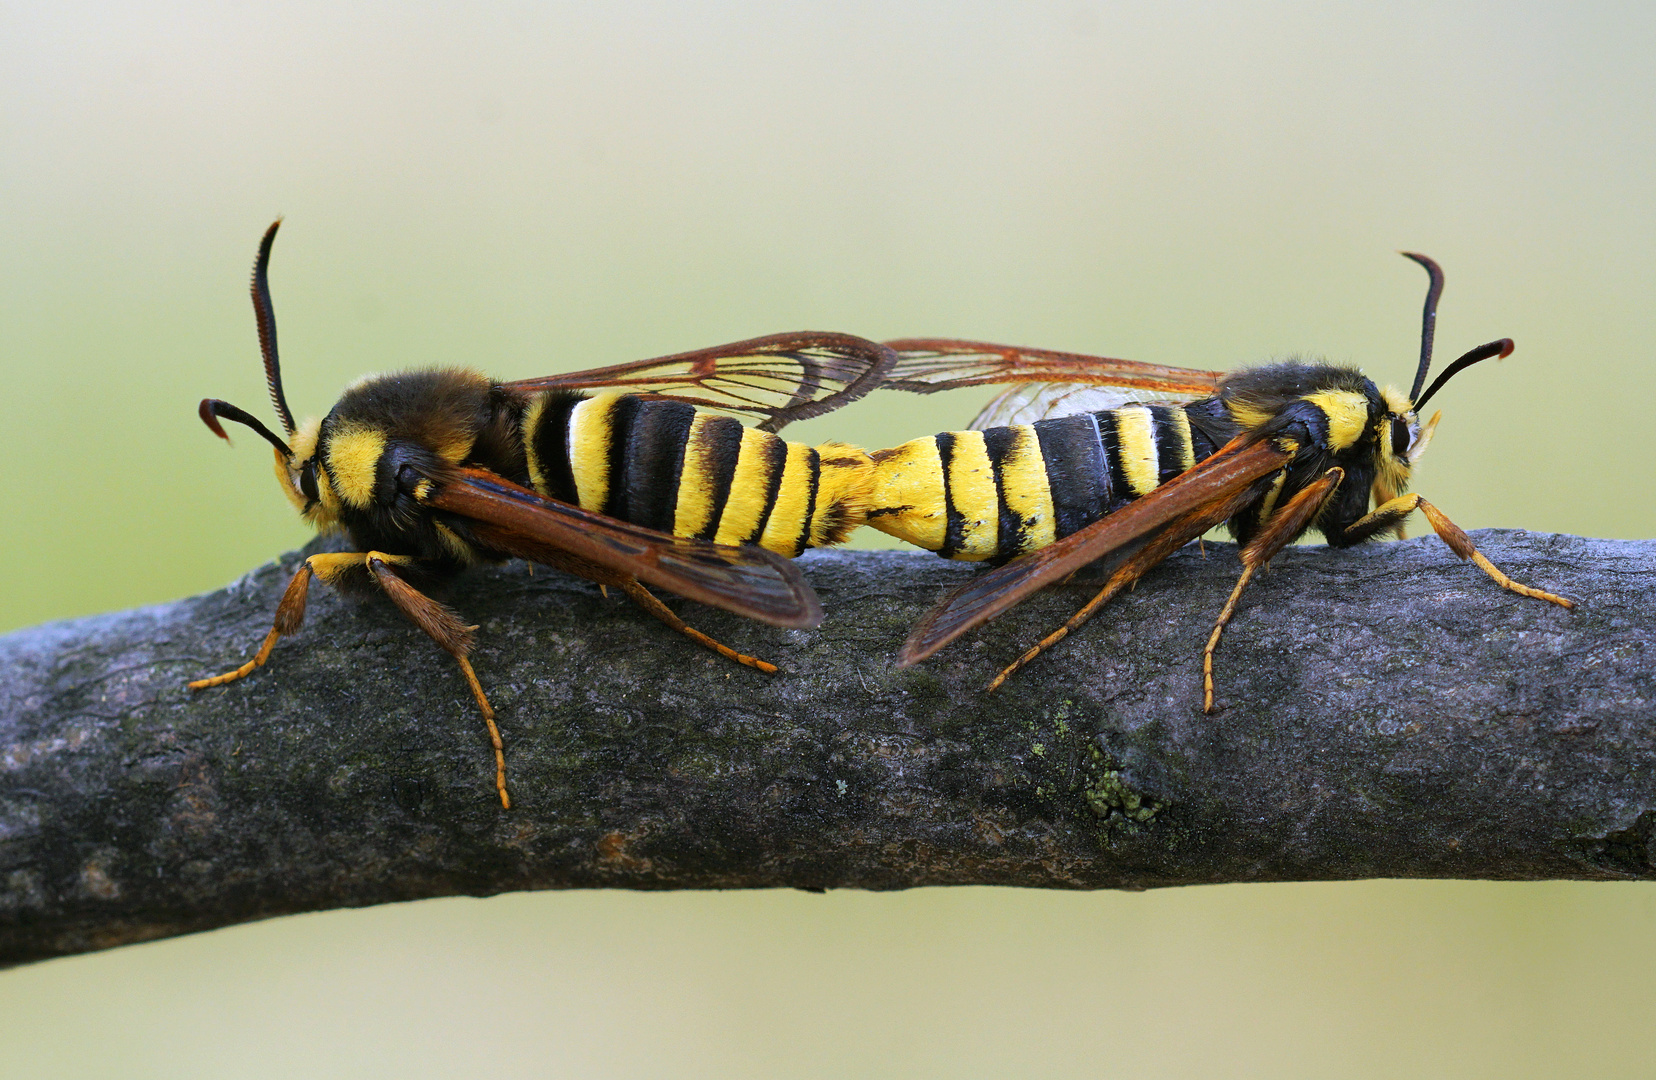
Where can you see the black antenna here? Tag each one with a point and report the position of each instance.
(1428, 320)
(1503, 347)
(212, 408)
(265, 314)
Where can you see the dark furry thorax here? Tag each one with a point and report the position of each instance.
(1336, 416)
(387, 433)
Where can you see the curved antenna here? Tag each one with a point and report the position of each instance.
(265, 315)
(1428, 319)
(1502, 347)
(212, 408)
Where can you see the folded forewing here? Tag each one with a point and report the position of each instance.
(502, 516)
(1198, 499)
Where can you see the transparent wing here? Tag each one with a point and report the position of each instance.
(927, 365)
(777, 379)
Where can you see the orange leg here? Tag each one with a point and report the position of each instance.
(443, 625)
(448, 630)
(646, 600)
(1175, 535)
(1283, 526)
(1125, 575)
(1390, 515)
(290, 612)
(1461, 545)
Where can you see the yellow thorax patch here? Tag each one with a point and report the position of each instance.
(353, 456)
(1347, 412)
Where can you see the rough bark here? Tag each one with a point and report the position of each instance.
(1390, 712)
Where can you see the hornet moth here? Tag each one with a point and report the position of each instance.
(1091, 458)
(619, 475)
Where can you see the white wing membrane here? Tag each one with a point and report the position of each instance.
(1029, 402)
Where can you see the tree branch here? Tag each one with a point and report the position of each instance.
(1391, 712)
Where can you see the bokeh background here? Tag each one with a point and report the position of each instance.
(537, 187)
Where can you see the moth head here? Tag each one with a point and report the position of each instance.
(1400, 439)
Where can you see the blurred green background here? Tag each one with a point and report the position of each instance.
(535, 187)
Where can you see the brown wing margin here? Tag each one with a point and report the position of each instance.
(927, 365)
(502, 516)
(780, 378)
(1195, 500)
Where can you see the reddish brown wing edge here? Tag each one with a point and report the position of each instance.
(927, 365)
(1219, 485)
(809, 360)
(747, 580)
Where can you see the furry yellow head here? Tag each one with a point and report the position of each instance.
(305, 482)
(1400, 440)
(1395, 433)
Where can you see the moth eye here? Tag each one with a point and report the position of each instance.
(307, 480)
(1400, 437)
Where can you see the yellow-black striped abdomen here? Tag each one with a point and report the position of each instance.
(996, 494)
(668, 466)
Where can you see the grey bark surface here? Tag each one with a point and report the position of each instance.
(1388, 712)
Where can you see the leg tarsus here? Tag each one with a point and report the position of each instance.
(1174, 536)
(1284, 525)
(1213, 640)
(494, 732)
(647, 600)
(290, 615)
(1462, 545)
(1111, 587)
(246, 669)
(451, 632)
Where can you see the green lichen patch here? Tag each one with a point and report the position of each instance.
(1110, 796)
